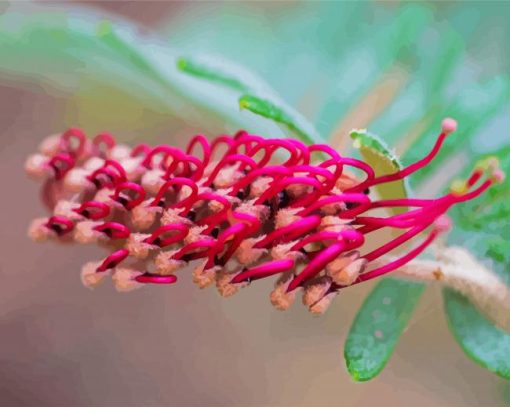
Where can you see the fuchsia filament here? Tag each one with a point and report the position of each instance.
(233, 208)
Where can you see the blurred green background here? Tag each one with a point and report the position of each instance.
(394, 67)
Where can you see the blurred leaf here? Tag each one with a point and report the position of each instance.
(483, 227)
(366, 58)
(472, 107)
(265, 104)
(74, 50)
(281, 114)
(483, 224)
(484, 343)
(378, 325)
(376, 153)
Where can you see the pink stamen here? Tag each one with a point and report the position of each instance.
(113, 260)
(156, 239)
(126, 202)
(94, 210)
(114, 230)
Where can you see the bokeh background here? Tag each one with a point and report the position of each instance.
(394, 67)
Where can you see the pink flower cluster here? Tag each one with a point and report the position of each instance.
(238, 209)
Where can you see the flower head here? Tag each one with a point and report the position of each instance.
(230, 209)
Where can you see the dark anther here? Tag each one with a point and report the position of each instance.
(156, 241)
(283, 199)
(302, 250)
(122, 200)
(240, 194)
(215, 232)
(85, 213)
(366, 191)
(218, 261)
(96, 183)
(161, 203)
(351, 205)
(56, 228)
(192, 215)
(187, 257)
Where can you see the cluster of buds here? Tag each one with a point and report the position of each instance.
(237, 209)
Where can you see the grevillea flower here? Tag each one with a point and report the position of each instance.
(227, 208)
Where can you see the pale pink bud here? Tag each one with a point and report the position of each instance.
(36, 166)
(124, 279)
(137, 247)
(280, 298)
(246, 254)
(90, 277)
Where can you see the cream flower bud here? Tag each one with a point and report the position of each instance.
(345, 269)
(119, 152)
(84, 232)
(286, 216)
(171, 216)
(65, 208)
(227, 176)
(195, 234)
(334, 224)
(165, 264)
(152, 181)
(124, 279)
(246, 254)
(50, 146)
(90, 277)
(259, 186)
(137, 247)
(76, 181)
(133, 168)
(204, 278)
(39, 232)
(280, 298)
(143, 216)
(316, 291)
(225, 287)
(93, 164)
(321, 306)
(261, 212)
(36, 166)
(282, 252)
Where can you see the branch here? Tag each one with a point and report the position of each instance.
(459, 270)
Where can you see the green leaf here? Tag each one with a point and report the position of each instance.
(223, 72)
(483, 227)
(376, 153)
(480, 339)
(378, 325)
(483, 224)
(280, 114)
(257, 96)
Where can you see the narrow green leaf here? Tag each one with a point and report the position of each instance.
(378, 325)
(257, 95)
(280, 114)
(484, 343)
(215, 72)
(383, 161)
